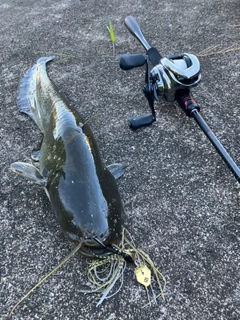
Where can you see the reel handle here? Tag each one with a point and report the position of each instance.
(135, 30)
(130, 61)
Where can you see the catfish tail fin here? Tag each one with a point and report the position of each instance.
(25, 99)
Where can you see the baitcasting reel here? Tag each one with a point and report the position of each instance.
(167, 77)
(170, 78)
(174, 73)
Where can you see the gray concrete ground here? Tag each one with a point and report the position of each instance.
(181, 201)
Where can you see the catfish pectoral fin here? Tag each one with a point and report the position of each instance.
(29, 172)
(117, 169)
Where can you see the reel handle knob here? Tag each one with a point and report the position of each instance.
(130, 61)
(142, 121)
(135, 30)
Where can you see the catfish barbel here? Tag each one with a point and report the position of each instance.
(82, 191)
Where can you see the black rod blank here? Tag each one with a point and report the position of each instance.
(216, 143)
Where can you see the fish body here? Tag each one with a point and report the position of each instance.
(82, 191)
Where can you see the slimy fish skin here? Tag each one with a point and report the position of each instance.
(82, 191)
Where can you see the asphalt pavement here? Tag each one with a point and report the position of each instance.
(181, 200)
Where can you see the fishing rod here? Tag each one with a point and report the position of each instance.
(170, 77)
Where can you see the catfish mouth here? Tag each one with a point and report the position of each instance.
(94, 248)
(94, 251)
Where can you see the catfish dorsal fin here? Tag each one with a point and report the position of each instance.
(29, 172)
(117, 169)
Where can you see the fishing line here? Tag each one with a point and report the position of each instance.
(46, 277)
(112, 270)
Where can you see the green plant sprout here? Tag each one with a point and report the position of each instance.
(111, 33)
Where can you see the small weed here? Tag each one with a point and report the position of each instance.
(111, 33)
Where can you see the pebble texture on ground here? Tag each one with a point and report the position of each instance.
(181, 201)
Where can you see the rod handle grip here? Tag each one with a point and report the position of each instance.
(186, 101)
